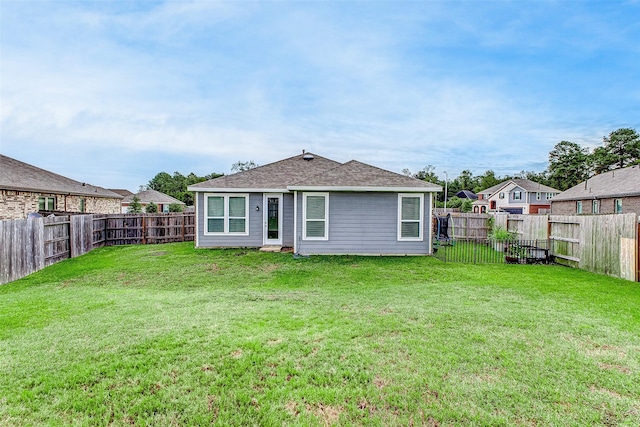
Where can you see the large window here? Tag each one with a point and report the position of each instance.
(227, 214)
(517, 195)
(315, 213)
(410, 214)
(47, 204)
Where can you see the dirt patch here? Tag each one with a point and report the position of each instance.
(274, 342)
(610, 367)
(237, 354)
(328, 414)
(608, 392)
(292, 408)
(380, 383)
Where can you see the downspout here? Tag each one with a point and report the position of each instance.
(429, 223)
(295, 222)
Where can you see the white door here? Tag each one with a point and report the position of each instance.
(272, 218)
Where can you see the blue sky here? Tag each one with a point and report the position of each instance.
(112, 93)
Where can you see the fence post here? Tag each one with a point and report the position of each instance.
(144, 230)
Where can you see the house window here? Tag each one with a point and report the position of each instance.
(227, 214)
(595, 207)
(579, 207)
(617, 206)
(550, 196)
(517, 195)
(501, 195)
(483, 209)
(315, 213)
(47, 204)
(410, 214)
(492, 204)
(83, 204)
(538, 196)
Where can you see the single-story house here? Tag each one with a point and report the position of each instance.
(151, 196)
(616, 191)
(466, 194)
(516, 196)
(25, 188)
(316, 206)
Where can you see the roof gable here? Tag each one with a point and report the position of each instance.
(526, 184)
(616, 183)
(20, 176)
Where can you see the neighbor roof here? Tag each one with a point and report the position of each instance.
(148, 196)
(355, 175)
(616, 183)
(525, 184)
(274, 176)
(20, 176)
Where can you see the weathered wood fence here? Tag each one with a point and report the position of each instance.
(606, 244)
(29, 245)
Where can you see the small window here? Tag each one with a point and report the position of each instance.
(227, 214)
(517, 195)
(501, 195)
(550, 196)
(315, 208)
(47, 204)
(617, 206)
(579, 207)
(410, 214)
(595, 207)
(83, 204)
(538, 196)
(483, 209)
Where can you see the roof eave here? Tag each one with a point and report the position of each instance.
(236, 190)
(386, 189)
(64, 193)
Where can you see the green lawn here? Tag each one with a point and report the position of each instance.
(170, 335)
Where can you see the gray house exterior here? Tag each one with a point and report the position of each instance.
(316, 206)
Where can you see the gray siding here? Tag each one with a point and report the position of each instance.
(254, 239)
(287, 219)
(364, 223)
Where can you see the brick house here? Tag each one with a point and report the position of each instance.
(146, 197)
(25, 188)
(616, 191)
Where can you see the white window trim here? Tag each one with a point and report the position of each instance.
(579, 207)
(538, 195)
(595, 206)
(519, 193)
(615, 206)
(226, 197)
(550, 196)
(326, 216)
(420, 237)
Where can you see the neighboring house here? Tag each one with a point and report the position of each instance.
(616, 191)
(151, 196)
(122, 192)
(517, 196)
(25, 188)
(316, 206)
(466, 194)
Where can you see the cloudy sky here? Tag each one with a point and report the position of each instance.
(112, 93)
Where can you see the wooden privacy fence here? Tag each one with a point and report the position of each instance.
(605, 244)
(29, 245)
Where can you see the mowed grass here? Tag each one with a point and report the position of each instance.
(170, 335)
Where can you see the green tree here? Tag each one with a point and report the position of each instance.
(176, 185)
(135, 206)
(568, 165)
(621, 149)
(243, 166)
(487, 180)
(151, 208)
(175, 207)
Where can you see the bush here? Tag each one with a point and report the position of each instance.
(151, 208)
(501, 234)
(176, 207)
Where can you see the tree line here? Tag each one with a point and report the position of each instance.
(569, 164)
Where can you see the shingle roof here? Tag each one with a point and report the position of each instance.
(616, 183)
(148, 196)
(296, 172)
(277, 175)
(121, 191)
(20, 176)
(354, 174)
(525, 184)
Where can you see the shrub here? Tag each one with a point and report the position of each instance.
(151, 208)
(176, 207)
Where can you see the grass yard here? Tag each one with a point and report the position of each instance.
(170, 335)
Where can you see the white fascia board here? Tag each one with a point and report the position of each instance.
(237, 190)
(367, 189)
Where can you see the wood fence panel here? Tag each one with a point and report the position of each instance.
(56, 239)
(465, 225)
(21, 248)
(81, 239)
(529, 227)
